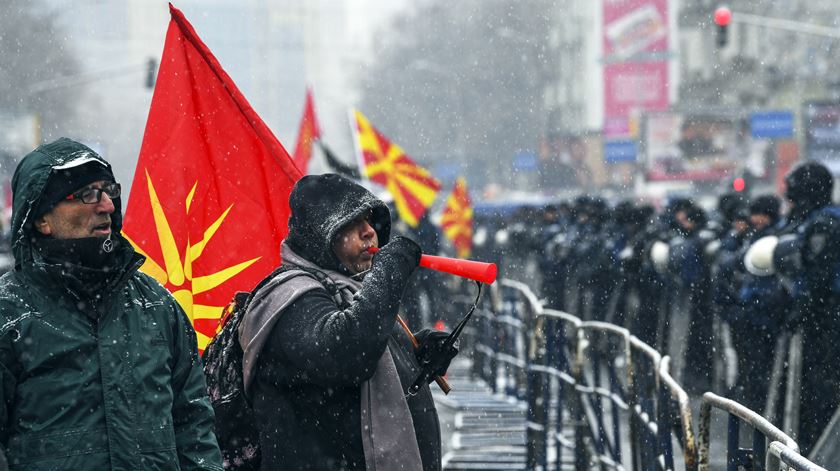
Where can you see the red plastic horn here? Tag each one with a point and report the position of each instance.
(477, 271)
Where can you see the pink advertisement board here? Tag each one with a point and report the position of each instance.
(633, 87)
(635, 52)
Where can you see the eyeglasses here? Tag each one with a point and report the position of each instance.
(94, 195)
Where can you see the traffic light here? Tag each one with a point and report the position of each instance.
(151, 73)
(739, 184)
(723, 16)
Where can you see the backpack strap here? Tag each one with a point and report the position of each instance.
(332, 288)
(241, 299)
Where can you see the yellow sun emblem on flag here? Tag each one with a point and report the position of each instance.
(176, 272)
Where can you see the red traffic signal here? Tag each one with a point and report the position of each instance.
(723, 16)
(739, 184)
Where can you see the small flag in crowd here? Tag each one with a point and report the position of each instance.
(457, 220)
(412, 186)
(210, 198)
(308, 133)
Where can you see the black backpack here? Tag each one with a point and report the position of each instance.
(235, 428)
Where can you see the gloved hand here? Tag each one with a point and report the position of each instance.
(402, 248)
(431, 352)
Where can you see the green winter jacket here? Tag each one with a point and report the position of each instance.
(94, 384)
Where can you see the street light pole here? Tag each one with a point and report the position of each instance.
(69, 81)
(786, 25)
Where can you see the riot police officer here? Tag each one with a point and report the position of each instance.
(808, 259)
(759, 308)
(688, 262)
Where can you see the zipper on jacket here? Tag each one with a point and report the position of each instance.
(94, 323)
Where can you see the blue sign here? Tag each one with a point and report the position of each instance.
(446, 170)
(771, 124)
(821, 125)
(525, 162)
(622, 150)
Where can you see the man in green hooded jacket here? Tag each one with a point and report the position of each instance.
(98, 364)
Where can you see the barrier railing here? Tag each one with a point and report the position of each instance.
(763, 455)
(594, 389)
(778, 453)
(604, 381)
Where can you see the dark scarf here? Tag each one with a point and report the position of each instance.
(88, 266)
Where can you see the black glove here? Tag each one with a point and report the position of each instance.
(401, 248)
(431, 352)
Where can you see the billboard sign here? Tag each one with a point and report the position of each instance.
(639, 28)
(695, 148)
(634, 43)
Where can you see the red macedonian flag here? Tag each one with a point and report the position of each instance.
(412, 186)
(209, 204)
(457, 220)
(309, 131)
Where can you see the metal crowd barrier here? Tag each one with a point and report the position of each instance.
(778, 453)
(588, 386)
(763, 455)
(597, 397)
(613, 383)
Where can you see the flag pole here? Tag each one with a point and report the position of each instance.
(357, 144)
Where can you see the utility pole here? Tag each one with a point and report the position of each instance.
(800, 27)
(147, 68)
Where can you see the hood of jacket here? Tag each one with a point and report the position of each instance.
(321, 206)
(30, 180)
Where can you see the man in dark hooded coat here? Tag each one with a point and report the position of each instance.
(325, 364)
(99, 367)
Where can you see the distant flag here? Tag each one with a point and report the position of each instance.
(309, 132)
(457, 220)
(412, 186)
(337, 166)
(210, 199)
